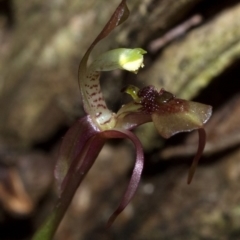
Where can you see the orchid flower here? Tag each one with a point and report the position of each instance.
(85, 139)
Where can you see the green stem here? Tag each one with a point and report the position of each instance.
(74, 178)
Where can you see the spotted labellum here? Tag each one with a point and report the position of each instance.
(85, 139)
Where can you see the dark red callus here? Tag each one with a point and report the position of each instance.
(151, 99)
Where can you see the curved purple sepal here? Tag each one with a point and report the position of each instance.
(201, 145)
(137, 171)
(73, 143)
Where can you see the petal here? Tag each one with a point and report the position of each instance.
(180, 116)
(137, 171)
(130, 116)
(72, 144)
(201, 145)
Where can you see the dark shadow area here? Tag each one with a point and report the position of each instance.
(6, 9)
(209, 9)
(48, 145)
(15, 228)
(222, 88)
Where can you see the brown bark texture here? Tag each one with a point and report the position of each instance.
(193, 51)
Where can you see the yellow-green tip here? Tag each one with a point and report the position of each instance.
(133, 92)
(132, 59)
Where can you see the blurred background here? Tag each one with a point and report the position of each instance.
(193, 51)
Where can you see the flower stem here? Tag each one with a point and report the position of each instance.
(74, 178)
